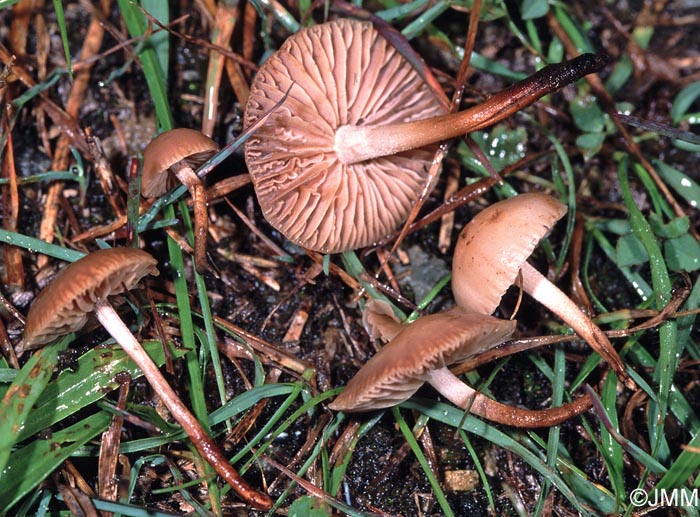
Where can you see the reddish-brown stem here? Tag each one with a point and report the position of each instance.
(465, 397)
(187, 176)
(111, 321)
(355, 144)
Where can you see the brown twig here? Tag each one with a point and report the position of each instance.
(107, 482)
(61, 159)
(14, 268)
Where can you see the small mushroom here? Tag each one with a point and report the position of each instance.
(422, 351)
(492, 250)
(84, 287)
(342, 162)
(174, 155)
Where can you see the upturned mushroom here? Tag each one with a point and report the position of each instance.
(422, 351)
(175, 155)
(342, 162)
(84, 287)
(491, 254)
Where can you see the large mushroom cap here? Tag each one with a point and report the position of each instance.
(338, 73)
(396, 372)
(64, 306)
(494, 245)
(167, 149)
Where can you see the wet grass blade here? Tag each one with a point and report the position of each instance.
(613, 457)
(277, 417)
(127, 510)
(678, 404)
(46, 176)
(638, 283)
(91, 380)
(18, 402)
(38, 246)
(418, 453)
(61, 22)
(154, 75)
(661, 282)
(454, 417)
(31, 464)
(209, 334)
(554, 435)
(160, 41)
(426, 18)
(480, 469)
(338, 473)
(680, 182)
(644, 458)
(248, 399)
(281, 14)
(683, 467)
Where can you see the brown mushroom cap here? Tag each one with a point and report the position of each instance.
(304, 189)
(379, 320)
(396, 372)
(64, 306)
(167, 149)
(493, 248)
(495, 244)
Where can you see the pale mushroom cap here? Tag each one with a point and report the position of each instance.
(396, 372)
(64, 305)
(493, 246)
(338, 73)
(167, 149)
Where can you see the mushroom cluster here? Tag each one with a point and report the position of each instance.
(84, 287)
(341, 163)
(491, 252)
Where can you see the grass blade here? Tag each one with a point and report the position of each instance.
(18, 402)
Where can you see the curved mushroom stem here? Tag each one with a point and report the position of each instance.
(111, 321)
(465, 397)
(355, 144)
(549, 295)
(187, 176)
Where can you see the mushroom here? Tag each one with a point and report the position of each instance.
(342, 162)
(492, 252)
(174, 155)
(83, 287)
(422, 351)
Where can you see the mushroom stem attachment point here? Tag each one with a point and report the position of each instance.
(354, 144)
(111, 321)
(466, 397)
(549, 295)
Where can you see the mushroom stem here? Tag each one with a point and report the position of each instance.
(111, 321)
(465, 397)
(354, 144)
(189, 178)
(549, 295)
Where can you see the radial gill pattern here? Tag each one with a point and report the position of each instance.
(337, 73)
